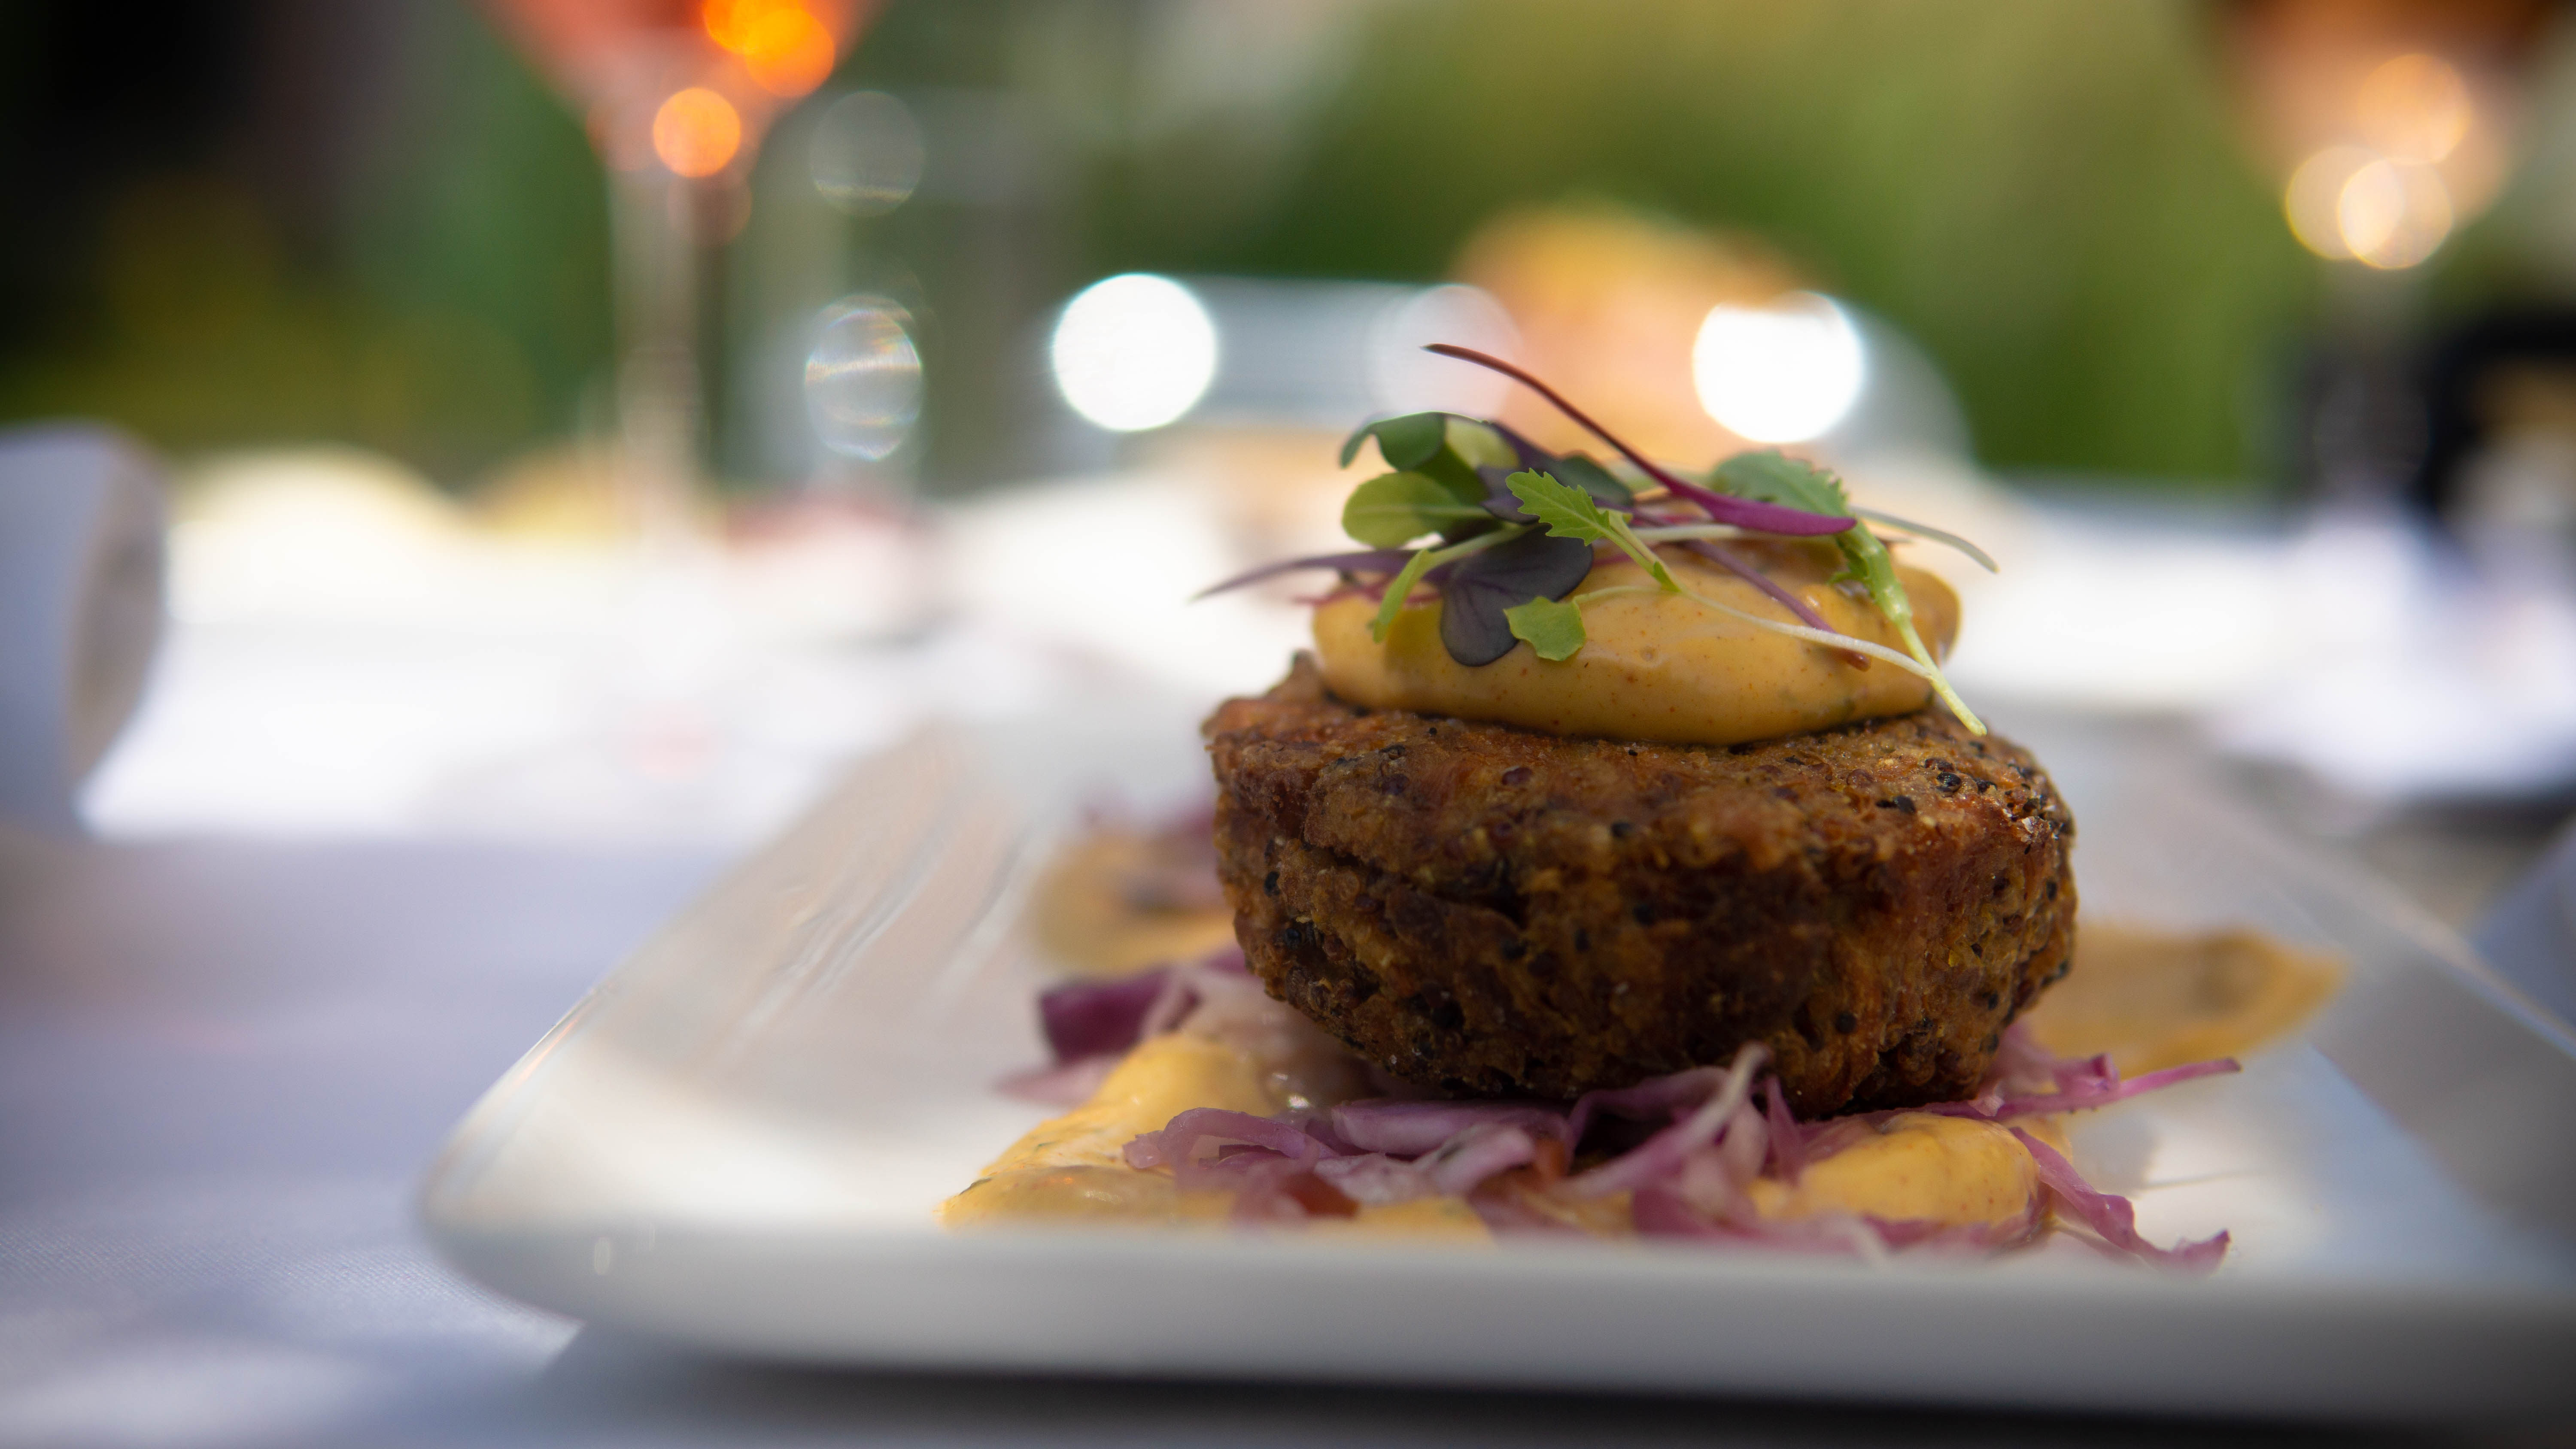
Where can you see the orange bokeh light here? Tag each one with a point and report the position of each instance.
(785, 47)
(789, 52)
(733, 23)
(696, 132)
(728, 22)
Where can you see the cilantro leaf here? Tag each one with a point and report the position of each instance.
(1570, 512)
(1392, 509)
(1553, 627)
(1592, 478)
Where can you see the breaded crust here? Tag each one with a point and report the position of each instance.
(1494, 911)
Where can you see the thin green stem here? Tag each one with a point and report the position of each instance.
(1794, 631)
(1675, 532)
(1937, 535)
(1401, 587)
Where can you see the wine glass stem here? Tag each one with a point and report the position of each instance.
(658, 406)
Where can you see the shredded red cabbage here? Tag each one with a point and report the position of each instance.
(1711, 1133)
(1788, 1144)
(2097, 1083)
(1089, 1018)
(2113, 1219)
(1413, 1128)
(1177, 1146)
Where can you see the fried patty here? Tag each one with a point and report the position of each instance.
(1493, 911)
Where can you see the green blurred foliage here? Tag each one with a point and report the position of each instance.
(459, 313)
(2048, 196)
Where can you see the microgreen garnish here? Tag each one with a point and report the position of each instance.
(1405, 442)
(1374, 561)
(1422, 562)
(1391, 603)
(1478, 593)
(1553, 627)
(1604, 485)
(1451, 451)
(1517, 526)
(1798, 607)
(1393, 509)
(1572, 513)
(1744, 513)
(1478, 445)
(1778, 478)
(1925, 530)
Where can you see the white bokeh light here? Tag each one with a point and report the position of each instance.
(863, 377)
(1784, 373)
(1133, 352)
(1403, 378)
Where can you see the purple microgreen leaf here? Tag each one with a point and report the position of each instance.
(1482, 587)
(1743, 513)
(1552, 627)
(1374, 561)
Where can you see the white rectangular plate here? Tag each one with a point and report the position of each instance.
(737, 1139)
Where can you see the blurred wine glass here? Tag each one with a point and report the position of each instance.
(676, 95)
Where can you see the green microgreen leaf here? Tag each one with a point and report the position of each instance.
(1477, 445)
(1772, 477)
(1400, 587)
(1596, 480)
(1406, 443)
(1398, 590)
(1393, 509)
(1570, 512)
(1553, 627)
(1778, 478)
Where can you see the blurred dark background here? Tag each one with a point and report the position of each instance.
(240, 221)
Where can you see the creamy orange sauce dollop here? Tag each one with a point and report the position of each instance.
(1659, 667)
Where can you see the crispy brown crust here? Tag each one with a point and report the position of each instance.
(1494, 911)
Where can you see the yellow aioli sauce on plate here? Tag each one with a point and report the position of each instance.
(1658, 667)
(1919, 1167)
(1084, 914)
(2155, 999)
(1074, 1166)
